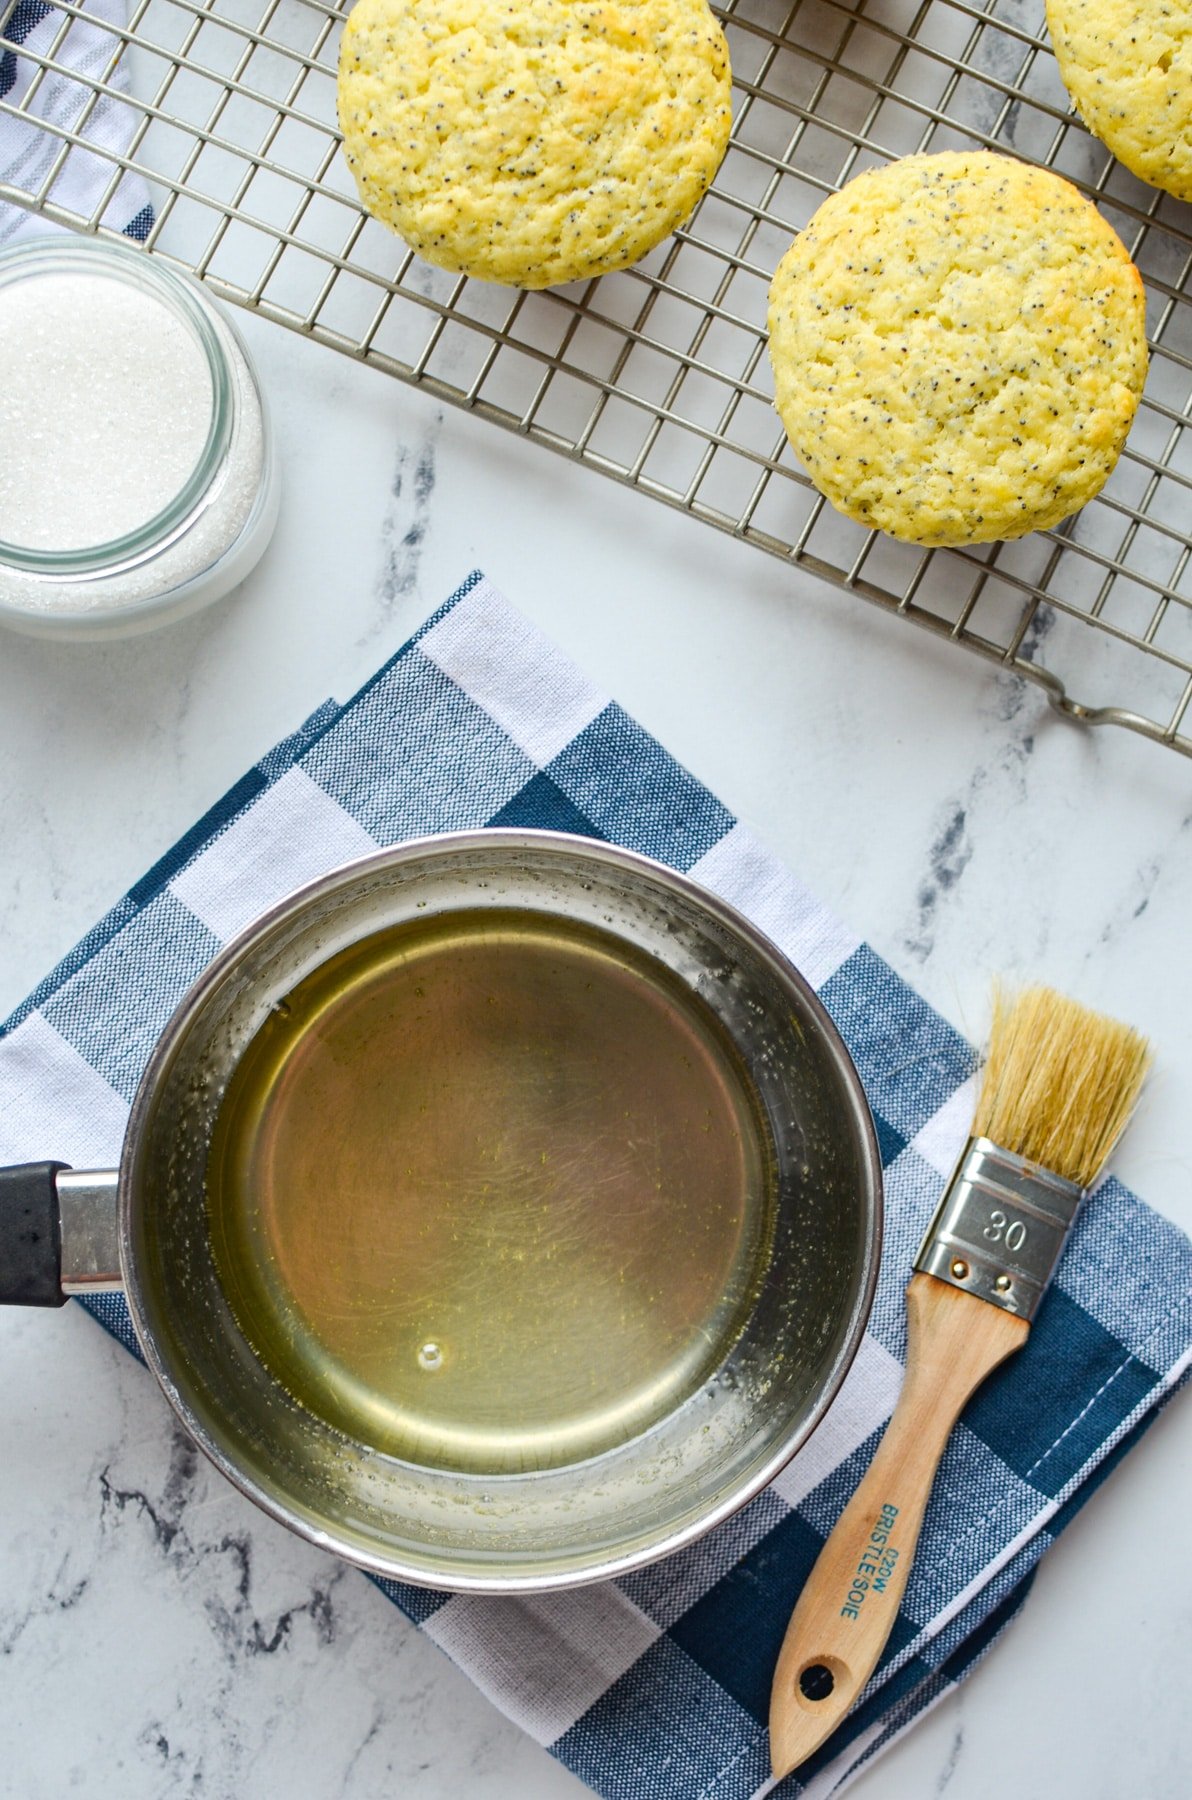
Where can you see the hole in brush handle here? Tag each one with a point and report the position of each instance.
(821, 1679)
(816, 1682)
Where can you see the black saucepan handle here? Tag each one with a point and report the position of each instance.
(30, 1236)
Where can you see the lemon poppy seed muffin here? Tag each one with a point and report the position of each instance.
(533, 141)
(959, 346)
(1128, 67)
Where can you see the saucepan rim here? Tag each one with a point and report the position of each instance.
(848, 1091)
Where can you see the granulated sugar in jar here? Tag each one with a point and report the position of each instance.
(137, 478)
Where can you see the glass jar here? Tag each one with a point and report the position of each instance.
(201, 536)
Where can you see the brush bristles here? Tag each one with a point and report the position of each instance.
(1060, 1082)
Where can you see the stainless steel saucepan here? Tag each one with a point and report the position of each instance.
(591, 1273)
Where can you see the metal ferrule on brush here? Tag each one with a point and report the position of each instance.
(1000, 1228)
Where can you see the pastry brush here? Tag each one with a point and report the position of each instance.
(1060, 1083)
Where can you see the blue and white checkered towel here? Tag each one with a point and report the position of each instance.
(654, 1687)
(41, 47)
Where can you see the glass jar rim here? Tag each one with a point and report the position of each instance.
(134, 267)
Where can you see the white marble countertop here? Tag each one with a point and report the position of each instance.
(159, 1637)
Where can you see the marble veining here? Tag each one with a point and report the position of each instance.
(403, 532)
(948, 856)
(944, 1778)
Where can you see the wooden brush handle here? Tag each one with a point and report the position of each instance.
(848, 1607)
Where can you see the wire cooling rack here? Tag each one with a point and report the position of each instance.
(658, 376)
